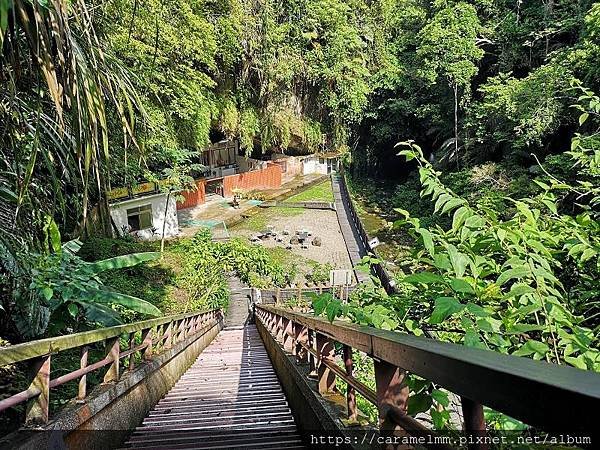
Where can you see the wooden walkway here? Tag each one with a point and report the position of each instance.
(229, 398)
(355, 246)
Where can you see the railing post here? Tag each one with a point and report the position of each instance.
(325, 350)
(167, 336)
(288, 333)
(113, 349)
(391, 391)
(147, 341)
(312, 363)
(132, 355)
(350, 391)
(37, 407)
(474, 422)
(82, 390)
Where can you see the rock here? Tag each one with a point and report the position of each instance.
(317, 242)
(294, 240)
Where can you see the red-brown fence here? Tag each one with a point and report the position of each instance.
(256, 179)
(194, 198)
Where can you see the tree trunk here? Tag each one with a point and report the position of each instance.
(456, 123)
(162, 239)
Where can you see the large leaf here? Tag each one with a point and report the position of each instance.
(444, 308)
(427, 240)
(515, 272)
(120, 262)
(128, 301)
(423, 277)
(532, 347)
(103, 314)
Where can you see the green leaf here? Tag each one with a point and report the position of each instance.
(427, 240)
(72, 246)
(472, 339)
(441, 397)
(101, 314)
(458, 260)
(477, 310)
(133, 303)
(73, 309)
(532, 347)
(452, 204)
(320, 302)
(423, 277)
(583, 118)
(460, 285)
(47, 293)
(419, 403)
(515, 272)
(460, 215)
(120, 262)
(444, 308)
(333, 310)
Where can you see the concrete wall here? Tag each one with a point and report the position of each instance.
(291, 166)
(248, 164)
(118, 212)
(312, 165)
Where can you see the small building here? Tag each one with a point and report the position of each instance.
(324, 163)
(144, 216)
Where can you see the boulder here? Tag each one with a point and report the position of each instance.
(294, 240)
(317, 242)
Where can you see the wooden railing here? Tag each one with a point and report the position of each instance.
(378, 269)
(146, 338)
(551, 397)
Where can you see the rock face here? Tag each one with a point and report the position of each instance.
(294, 240)
(316, 242)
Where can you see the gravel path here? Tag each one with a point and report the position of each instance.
(320, 223)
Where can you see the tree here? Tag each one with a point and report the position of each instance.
(448, 48)
(175, 180)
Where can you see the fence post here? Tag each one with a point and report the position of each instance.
(474, 422)
(82, 390)
(325, 350)
(113, 349)
(37, 407)
(132, 355)
(147, 341)
(288, 336)
(350, 391)
(391, 391)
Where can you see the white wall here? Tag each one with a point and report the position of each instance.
(312, 165)
(118, 212)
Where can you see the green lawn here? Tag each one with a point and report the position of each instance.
(321, 192)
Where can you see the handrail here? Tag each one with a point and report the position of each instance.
(535, 392)
(148, 337)
(28, 350)
(378, 268)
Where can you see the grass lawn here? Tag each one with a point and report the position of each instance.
(321, 192)
(259, 221)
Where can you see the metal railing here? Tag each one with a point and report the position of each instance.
(146, 338)
(378, 269)
(551, 397)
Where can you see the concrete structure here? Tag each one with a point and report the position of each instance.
(144, 216)
(322, 164)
